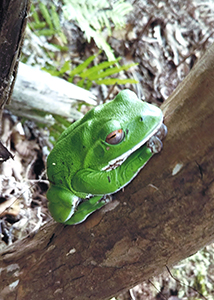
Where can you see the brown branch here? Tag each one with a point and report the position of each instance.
(163, 216)
(13, 19)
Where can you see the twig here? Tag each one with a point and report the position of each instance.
(159, 292)
(182, 283)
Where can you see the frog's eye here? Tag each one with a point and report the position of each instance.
(115, 137)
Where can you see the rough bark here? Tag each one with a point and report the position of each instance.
(163, 216)
(13, 18)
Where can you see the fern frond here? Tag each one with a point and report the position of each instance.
(46, 15)
(100, 72)
(111, 71)
(93, 16)
(112, 81)
(34, 14)
(85, 76)
(50, 25)
(93, 72)
(80, 68)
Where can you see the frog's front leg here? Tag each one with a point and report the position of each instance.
(62, 203)
(86, 208)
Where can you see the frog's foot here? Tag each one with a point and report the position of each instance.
(154, 143)
(106, 198)
(62, 203)
(162, 132)
(86, 208)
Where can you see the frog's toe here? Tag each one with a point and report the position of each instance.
(85, 209)
(155, 144)
(162, 132)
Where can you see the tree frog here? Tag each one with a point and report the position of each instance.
(100, 154)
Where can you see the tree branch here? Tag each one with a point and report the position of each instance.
(163, 216)
(13, 19)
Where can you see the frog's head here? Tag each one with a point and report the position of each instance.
(118, 128)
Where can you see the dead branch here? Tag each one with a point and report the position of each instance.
(38, 90)
(12, 26)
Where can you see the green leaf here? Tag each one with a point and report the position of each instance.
(95, 70)
(66, 67)
(63, 37)
(34, 14)
(62, 121)
(112, 71)
(46, 32)
(61, 48)
(55, 18)
(102, 44)
(36, 26)
(112, 81)
(81, 83)
(51, 71)
(56, 130)
(56, 24)
(46, 15)
(82, 66)
(88, 85)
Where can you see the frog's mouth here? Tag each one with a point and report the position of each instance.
(114, 163)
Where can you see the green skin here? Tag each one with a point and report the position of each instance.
(78, 166)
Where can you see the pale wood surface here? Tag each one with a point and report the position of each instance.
(38, 90)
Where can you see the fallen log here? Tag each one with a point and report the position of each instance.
(36, 90)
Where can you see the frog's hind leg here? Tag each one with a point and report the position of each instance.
(86, 208)
(62, 203)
